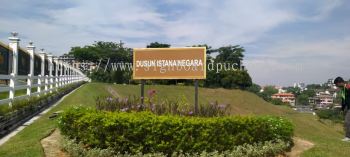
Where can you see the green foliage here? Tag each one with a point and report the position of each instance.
(303, 99)
(294, 90)
(265, 149)
(144, 132)
(102, 50)
(239, 79)
(33, 101)
(232, 54)
(158, 45)
(314, 86)
(152, 104)
(117, 53)
(111, 76)
(208, 48)
(221, 74)
(278, 102)
(309, 92)
(268, 92)
(254, 88)
(334, 115)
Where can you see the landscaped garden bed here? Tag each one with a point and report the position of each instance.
(120, 127)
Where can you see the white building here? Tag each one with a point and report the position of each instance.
(322, 100)
(285, 97)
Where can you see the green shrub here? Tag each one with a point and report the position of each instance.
(278, 102)
(144, 132)
(334, 115)
(33, 101)
(152, 104)
(265, 149)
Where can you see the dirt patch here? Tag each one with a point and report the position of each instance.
(52, 146)
(299, 147)
(113, 92)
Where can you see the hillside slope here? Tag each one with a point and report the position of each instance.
(326, 136)
(241, 102)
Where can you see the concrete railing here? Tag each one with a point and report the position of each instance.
(49, 78)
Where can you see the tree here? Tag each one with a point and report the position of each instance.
(303, 99)
(158, 45)
(268, 92)
(232, 78)
(232, 54)
(294, 90)
(313, 86)
(255, 88)
(278, 102)
(103, 51)
(309, 92)
(208, 48)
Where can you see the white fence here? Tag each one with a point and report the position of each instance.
(59, 76)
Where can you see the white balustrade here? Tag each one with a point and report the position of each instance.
(56, 77)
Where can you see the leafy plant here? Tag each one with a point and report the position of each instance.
(33, 101)
(334, 115)
(145, 132)
(263, 149)
(151, 103)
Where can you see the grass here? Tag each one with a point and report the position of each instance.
(5, 95)
(325, 135)
(241, 102)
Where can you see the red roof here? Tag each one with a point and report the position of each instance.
(283, 94)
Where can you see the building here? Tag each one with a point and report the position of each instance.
(301, 86)
(330, 91)
(85, 66)
(330, 83)
(285, 97)
(322, 100)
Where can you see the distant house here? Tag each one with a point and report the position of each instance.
(322, 100)
(301, 86)
(285, 97)
(330, 84)
(84, 65)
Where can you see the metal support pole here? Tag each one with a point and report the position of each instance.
(196, 96)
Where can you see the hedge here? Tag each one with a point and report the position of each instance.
(335, 115)
(265, 149)
(33, 100)
(144, 132)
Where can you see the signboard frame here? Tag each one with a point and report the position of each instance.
(169, 50)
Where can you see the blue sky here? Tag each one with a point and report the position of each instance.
(285, 41)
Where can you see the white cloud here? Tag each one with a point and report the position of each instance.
(217, 23)
(211, 22)
(293, 61)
